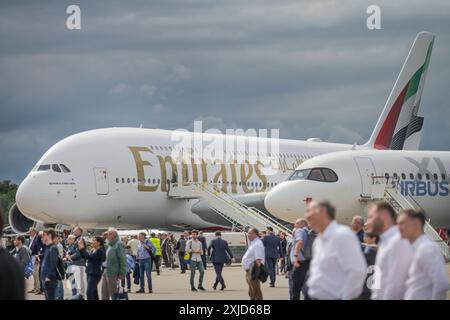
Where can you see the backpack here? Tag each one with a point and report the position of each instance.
(307, 248)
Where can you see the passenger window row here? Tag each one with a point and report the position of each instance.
(419, 176)
(242, 153)
(228, 183)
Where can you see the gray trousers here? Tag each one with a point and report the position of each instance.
(109, 286)
(197, 265)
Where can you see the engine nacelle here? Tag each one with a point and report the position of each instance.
(19, 223)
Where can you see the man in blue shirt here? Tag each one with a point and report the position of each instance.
(49, 265)
(145, 253)
(300, 265)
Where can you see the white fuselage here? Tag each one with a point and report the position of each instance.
(119, 177)
(423, 177)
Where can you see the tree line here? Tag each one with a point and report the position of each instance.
(7, 197)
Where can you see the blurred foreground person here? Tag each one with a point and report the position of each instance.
(252, 262)
(12, 281)
(338, 267)
(394, 253)
(427, 277)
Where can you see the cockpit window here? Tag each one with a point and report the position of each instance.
(43, 167)
(315, 174)
(54, 167)
(330, 175)
(300, 174)
(64, 168)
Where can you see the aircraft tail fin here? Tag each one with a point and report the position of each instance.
(399, 127)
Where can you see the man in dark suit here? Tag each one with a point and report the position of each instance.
(272, 247)
(202, 239)
(220, 254)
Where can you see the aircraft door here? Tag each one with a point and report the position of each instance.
(366, 170)
(101, 181)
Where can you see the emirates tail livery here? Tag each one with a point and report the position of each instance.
(120, 176)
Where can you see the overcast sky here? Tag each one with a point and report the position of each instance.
(310, 68)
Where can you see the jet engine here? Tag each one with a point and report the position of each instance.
(18, 221)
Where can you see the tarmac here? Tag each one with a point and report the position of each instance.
(172, 285)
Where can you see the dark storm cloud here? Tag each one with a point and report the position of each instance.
(310, 68)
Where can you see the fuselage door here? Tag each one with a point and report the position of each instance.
(366, 171)
(101, 181)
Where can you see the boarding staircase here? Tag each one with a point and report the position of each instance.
(238, 214)
(388, 189)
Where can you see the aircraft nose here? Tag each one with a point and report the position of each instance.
(284, 201)
(26, 196)
(274, 200)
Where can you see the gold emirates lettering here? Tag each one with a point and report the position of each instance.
(169, 172)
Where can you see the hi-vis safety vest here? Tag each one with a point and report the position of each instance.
(157, 243)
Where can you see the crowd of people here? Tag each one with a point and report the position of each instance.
(112, 262)
(385, 257)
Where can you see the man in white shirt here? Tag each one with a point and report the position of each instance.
(394, 254)
(195, 247)
(338, 268)
(254, 256)
(427, 277)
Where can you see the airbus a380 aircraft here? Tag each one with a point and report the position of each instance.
(119, 176)
(346, 177)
